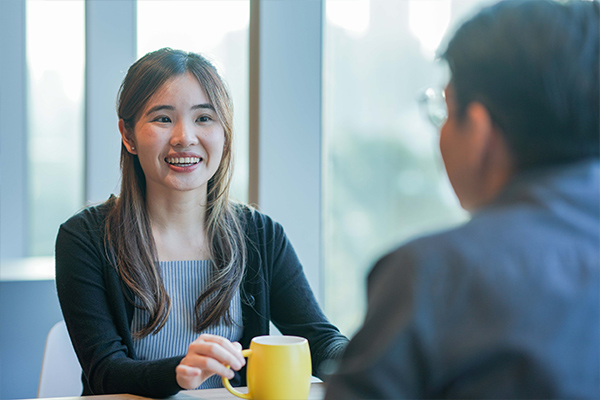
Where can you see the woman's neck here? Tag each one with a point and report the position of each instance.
(177, 222)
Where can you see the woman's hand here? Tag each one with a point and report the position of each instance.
(206, 356)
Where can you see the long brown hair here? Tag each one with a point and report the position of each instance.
(129, 241)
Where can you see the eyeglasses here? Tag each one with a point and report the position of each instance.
(432, 102)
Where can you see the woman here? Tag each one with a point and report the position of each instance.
(162, 286)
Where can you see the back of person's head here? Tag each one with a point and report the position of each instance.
(534, 65)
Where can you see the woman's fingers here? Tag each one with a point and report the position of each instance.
(206, 356)
(188, 377)
(188, 371)
(212, 366)
(234, 348)
(218, 348)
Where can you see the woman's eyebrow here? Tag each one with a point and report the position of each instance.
(204, 105)
(171, 108)
(160, 107)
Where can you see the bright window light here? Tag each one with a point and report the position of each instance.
(428, 21)
(351, 15)
(200, 26)
(55, 148)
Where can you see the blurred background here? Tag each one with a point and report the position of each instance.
(329, 139)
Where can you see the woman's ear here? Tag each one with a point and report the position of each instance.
(127, 137)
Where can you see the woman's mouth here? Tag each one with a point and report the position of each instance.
(183, 161)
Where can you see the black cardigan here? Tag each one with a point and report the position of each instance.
(98, 314)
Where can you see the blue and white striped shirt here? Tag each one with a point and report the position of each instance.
(184, 282)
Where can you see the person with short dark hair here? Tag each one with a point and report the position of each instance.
(508, 304)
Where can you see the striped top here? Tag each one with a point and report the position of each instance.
(184, 282)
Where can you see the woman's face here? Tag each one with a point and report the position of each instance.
(177, 138)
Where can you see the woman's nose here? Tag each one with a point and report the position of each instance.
(183, 135)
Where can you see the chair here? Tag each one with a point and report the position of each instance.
(61, 372)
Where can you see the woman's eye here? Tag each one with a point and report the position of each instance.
(204, 118)
(162, 119)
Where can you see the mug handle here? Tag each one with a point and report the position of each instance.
(247, 354)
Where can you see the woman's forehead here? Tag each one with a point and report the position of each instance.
(179, 88)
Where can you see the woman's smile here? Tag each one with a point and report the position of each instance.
(183, 161)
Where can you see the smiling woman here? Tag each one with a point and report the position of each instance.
(162, 286)
(177, 125)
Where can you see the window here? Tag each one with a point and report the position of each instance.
(55, 48)
(383, 177)
(218, 30)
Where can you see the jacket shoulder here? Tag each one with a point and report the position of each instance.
(87, 225)
(256, 223)
(92, 216)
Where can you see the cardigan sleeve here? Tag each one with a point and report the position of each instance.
(93, 306)
(294, 308)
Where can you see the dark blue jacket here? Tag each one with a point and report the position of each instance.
(505, 306)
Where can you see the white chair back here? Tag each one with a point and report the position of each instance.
(61, 372)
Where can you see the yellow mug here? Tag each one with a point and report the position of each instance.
(279, 368)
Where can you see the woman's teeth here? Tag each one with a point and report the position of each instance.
(182, 161)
